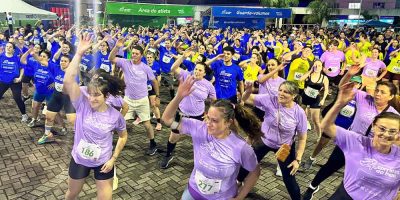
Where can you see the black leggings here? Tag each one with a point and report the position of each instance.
(340, 194)
(335, 162)
(290, 181)
(16, 92)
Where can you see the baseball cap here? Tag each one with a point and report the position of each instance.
(356, 79)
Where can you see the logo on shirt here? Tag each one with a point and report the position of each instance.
(374, 165)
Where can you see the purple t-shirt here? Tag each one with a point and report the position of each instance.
(193, 105)
(291, 121)
(136, 77)
(94, 132)
(271, 86)
(216, 161)
(372, 68)
(366, 112)
(332, 62)
(368, 174)
(115, 101)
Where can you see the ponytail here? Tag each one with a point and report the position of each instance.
(107, 84)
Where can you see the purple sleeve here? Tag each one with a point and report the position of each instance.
(149, 72)
(323, 57)
(262, 100)
(383, 66)
(183, 74)
(360, 96)
(302, 125)
(188, 126)
(343, 57)
(248, 159)
(121, 123)
(212, 94)
(348, 140)
(82, 99)
(120, 62)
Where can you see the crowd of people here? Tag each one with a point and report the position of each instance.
(238, 93)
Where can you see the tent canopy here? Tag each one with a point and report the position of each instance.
(376, 23)
(24, 11)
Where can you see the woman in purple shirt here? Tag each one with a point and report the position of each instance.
(95, 123)
(219, 151)
(372, 169)
(373, 71)
(192, 106)
(283, 120)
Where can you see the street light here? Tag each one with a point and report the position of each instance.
(359, 14)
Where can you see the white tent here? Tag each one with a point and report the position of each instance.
(21, 10)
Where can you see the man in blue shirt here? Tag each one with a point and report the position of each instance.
(227, 75)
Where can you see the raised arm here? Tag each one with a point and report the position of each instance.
(248, 96)
(208, 62)
(70, 85)
(346, 94)
(264, 78)
(113, 54)
(24, 56)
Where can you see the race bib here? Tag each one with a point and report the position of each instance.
(334, 69)
(149, 87)
(166, 59)
(58, 86)
(298, 75)
(396, 69)
(82, 67)
(36, 41)
(105, 67)
(371, 73)
(207, 185)
(88, 150)
(311, 92)
(348, 111)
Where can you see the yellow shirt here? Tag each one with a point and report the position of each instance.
(342, 45)
(394, 65)
(251, 72)
(349, 56)
(297, 69)
(364, 48)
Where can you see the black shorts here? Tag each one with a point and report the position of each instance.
(151, 92)
(335, 80)
(77, 171)
(311, 102)
(59, 100)
(26, 79)
(392, 76)
(179, 115)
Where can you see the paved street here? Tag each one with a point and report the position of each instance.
(31, 171)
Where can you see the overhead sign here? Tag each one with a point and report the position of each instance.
(149, 9)
(254, 23)
(242, 12)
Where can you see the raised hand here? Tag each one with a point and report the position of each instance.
(346, 93)
(185, 87)
(85, 42)
(120, 42)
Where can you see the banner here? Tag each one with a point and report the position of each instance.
(223, 22)
(128, 21)
(149, 9)
(242, 12)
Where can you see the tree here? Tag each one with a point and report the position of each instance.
(320, 11)
(367, 16)
(279, 3)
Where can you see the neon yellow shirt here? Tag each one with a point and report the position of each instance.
(349, 56)
(394, 65)
(297, 69)
(251, 72)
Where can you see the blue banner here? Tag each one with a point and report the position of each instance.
(255, 23)
(242, 12)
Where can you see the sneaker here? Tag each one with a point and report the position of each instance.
(278, 171)
(33, 123)
(44, 139)
(25, 118)
(165, 161)
(309, 163)
(137, 121)
(308, 126)
(309, 194)
(158, 127)
(151, 151)
(44, 110)
(64, 131)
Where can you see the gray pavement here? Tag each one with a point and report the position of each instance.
(32, 171)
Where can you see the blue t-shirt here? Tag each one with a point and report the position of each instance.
(166, 60)
(270, 53)
(226, 79)
(102, 62)
(210, 56)
(9, 68)
(239, 50)
(43, 77)
(21, 51)
(346, 115)
(317, 51)
(156, 71)
(54, 47)
(86, 63)
(29, 69)
(189, 65)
